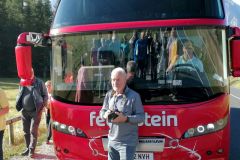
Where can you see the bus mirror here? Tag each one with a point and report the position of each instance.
(23, 52)
(235, 53)
(36, 39)
(24, 61)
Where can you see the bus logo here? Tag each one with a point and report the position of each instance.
(163, 120)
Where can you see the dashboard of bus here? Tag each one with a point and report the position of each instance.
(173, 65)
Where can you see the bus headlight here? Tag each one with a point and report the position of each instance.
(206, 129)
(72, 130)
(68, 129)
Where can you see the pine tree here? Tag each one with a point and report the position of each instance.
(19, 16)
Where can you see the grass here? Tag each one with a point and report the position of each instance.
(10, 86)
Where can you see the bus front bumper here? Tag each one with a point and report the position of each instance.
(214, 146)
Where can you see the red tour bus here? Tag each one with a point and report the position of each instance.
(185, 96)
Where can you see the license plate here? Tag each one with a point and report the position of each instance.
(143, 156)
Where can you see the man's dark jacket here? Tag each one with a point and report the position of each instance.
(39, 93)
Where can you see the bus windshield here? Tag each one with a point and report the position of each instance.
(174, 65)
(78, 12)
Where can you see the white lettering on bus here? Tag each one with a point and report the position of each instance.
(150, 120)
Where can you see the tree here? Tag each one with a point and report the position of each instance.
(19, 16)
(9, 31)
(37, 18)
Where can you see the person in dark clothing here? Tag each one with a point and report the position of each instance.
(156, 49)
(114, 47)
(104, 55)
(132, 43)
(94, 52)
(31, 101)
(131, 71)
(125, 50)
(133, 81)
(140, 55)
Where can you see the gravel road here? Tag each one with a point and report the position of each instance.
(43, 152)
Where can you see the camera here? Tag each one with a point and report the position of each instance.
(112, 116)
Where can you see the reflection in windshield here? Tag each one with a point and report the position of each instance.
(173, 65)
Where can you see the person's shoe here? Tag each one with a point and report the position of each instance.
(25, 153)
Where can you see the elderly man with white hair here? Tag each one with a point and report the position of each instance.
(123, 110)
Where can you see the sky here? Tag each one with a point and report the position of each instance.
(236, 1)
(54, 1)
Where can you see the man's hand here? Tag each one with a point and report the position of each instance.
(105, 116)
(120, 119)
